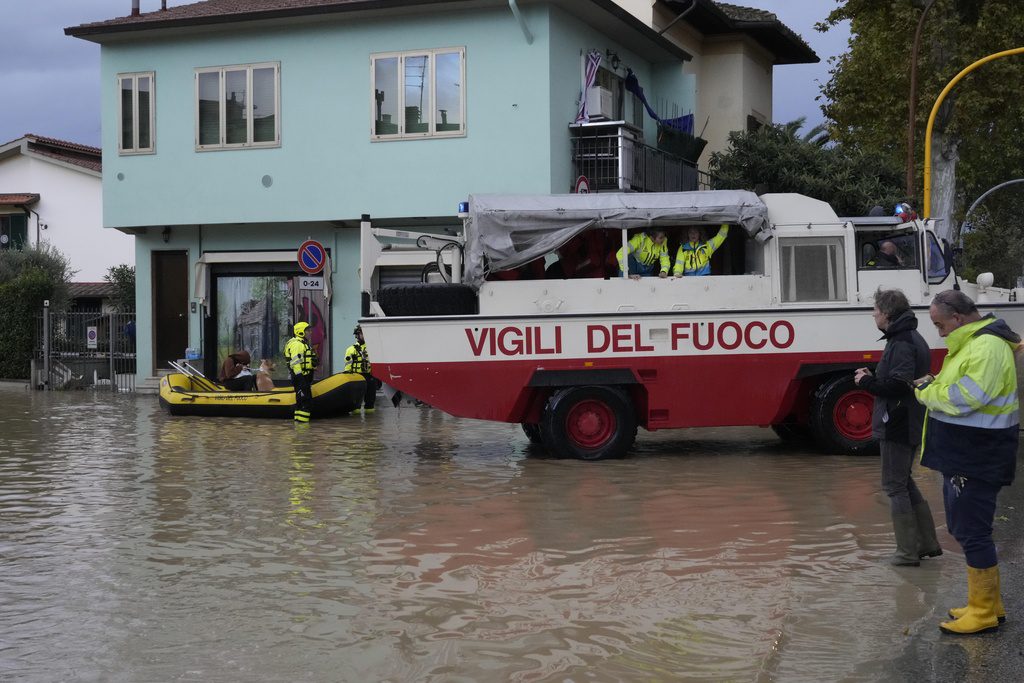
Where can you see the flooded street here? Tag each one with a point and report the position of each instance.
(407, 545)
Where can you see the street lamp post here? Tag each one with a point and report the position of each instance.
(912, 119)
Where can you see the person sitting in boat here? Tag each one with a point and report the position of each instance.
(235, 374)
(644, 253)
(694, 257)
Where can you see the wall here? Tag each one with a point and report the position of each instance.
(70, 205)
(736, 78)
(327, 168)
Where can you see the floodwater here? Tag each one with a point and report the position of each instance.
(411, 546)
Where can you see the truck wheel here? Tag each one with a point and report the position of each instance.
(532, 431)
(841, 417)
(588, 423)
(427, 299)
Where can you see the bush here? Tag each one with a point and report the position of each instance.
(27, 278)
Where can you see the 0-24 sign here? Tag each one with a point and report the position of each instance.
(311, 282)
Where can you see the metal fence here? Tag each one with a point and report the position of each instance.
(78, 350)
(620, 163)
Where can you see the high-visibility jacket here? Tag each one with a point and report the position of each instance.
(357, 359)
(694, 258)
(644, 250)
(972, 420)
(300, 356)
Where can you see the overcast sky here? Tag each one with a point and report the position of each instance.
(51, 82)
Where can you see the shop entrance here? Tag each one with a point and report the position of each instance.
(255, 311)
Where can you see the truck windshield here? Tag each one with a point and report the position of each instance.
(887, 250)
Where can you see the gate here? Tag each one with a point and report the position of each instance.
(76, 350)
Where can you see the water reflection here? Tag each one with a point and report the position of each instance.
(407, 545)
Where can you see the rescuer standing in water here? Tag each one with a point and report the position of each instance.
(357, 360)
(302, 360)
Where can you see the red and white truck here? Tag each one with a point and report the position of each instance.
(771, 338)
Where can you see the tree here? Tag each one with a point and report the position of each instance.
(122, 277)
(981, 123)
(776, 158)
(27, 278)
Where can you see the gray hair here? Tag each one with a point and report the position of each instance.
(892, 303)
(953, 301)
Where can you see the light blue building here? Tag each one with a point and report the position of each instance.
(235, 132)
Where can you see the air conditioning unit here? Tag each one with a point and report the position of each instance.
(599, 103)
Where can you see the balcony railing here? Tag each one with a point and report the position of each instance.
(617, 161)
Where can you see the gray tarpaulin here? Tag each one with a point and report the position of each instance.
(506, 231)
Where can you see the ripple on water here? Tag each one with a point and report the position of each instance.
(412, 546)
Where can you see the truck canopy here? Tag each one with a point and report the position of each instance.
(507, 231)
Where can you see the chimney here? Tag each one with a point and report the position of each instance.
(163, 5)
(135, 8)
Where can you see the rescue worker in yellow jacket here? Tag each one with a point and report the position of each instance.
(970, 436)
(694, 257)
(357, 360)
(302, 360)
(645, 254)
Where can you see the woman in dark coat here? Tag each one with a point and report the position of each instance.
(235, 373)
(896, 423)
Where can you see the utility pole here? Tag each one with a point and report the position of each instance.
(912, 119)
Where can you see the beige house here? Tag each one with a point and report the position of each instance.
(734, 50)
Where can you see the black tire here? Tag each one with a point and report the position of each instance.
(841, 417)
(588, 423)
(427, 299)
(532, 431)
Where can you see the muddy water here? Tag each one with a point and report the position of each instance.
(411, 546)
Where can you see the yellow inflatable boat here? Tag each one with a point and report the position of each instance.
(181, 394)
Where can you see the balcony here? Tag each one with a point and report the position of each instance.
(613, 158)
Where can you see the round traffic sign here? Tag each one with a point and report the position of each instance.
(311, 257)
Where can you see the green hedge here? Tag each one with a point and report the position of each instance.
(27, 278)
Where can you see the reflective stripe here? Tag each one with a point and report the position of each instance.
(981, 420)
(979, 394)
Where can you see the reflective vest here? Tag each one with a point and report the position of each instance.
(357, 359)
(645, 251)
(694, 258)
(300, 356)
(972, 420)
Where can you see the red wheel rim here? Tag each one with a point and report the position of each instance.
(852, 415)
(590, 423)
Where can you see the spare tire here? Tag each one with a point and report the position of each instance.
(436, 298)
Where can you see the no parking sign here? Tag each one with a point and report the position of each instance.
(311, 257)
(91, 336)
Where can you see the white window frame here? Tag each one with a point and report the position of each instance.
(135, 149)
(432, 131)
(835, 279)
(248, 144)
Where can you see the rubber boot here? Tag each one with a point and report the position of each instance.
(905, 527)
(928, 544)
(958, 612)
(982, 596)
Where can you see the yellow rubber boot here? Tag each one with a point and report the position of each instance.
(982, 596)
(958, 612)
